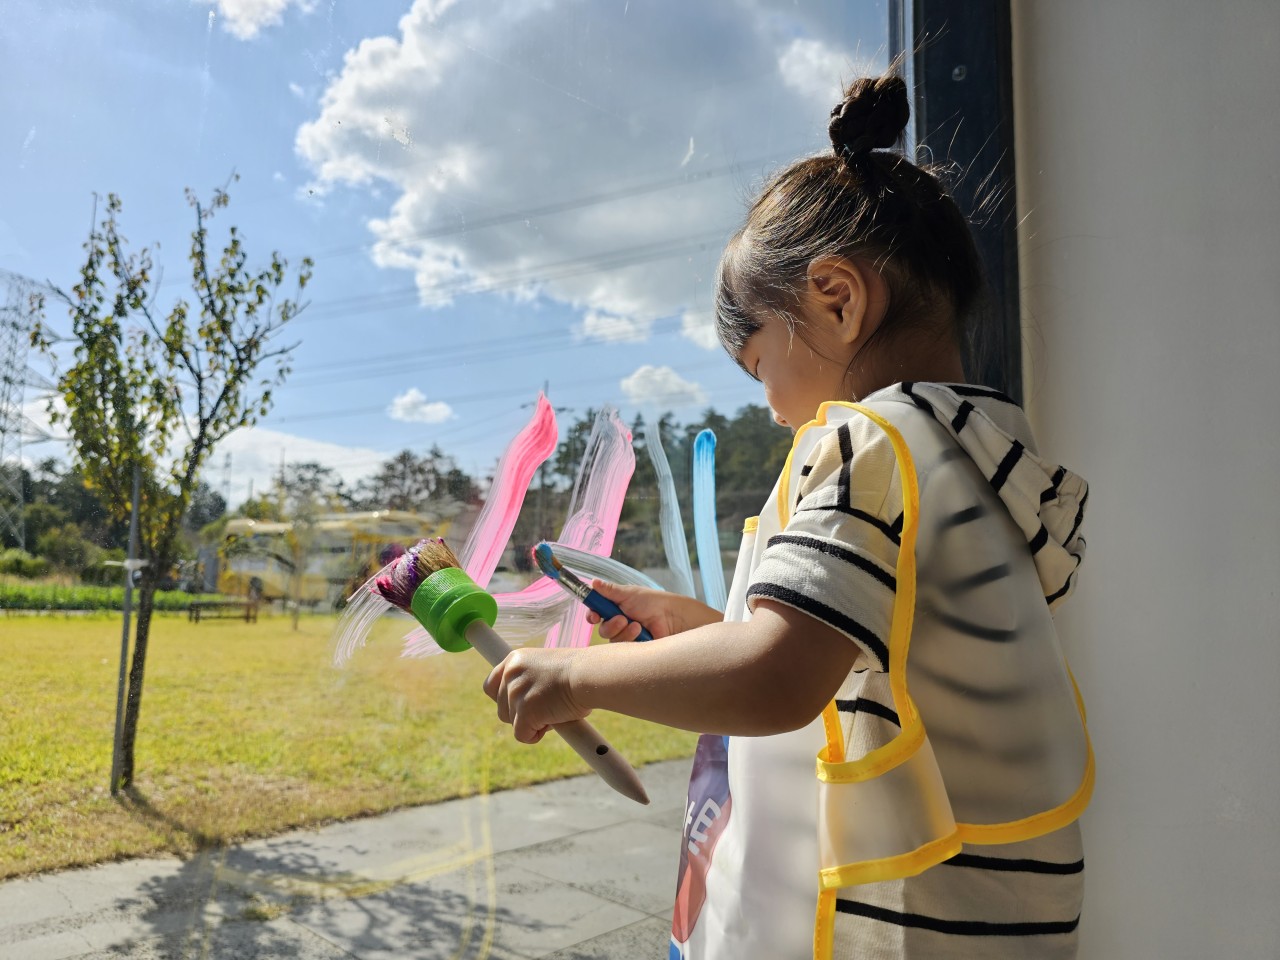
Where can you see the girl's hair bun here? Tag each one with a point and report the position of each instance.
(872, 116)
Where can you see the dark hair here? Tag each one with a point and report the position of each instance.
(862, 200)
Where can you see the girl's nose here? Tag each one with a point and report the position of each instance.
(778, 418)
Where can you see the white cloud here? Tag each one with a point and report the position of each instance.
(699, 326)
(257, 452)
(245, 18)
(611, 328)
(661, 385)
(297, 90)
(476, 117)
(412, 407)
(815, 70)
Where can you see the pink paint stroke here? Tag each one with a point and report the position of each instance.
(598, 493)
(489, 535)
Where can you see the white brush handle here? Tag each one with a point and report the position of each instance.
(586, 741)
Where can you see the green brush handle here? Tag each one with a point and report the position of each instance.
(458, 614)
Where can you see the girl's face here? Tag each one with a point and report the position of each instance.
(797, 377)
(839, 309)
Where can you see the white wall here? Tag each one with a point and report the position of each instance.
(1148, 159)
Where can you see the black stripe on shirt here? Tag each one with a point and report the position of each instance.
(1039, 540)
(846, 463)
(967, 690)
(961, 517)
(839, 552)
(857, 514)
(806, 469)
(1014, 865)
(1006, 465)
(1079, 517)
(1058, 476)
(918, 400)
(967, 390)
(959, 928)
(1058, 594)
(960, 625)
(829, 615)
(863, 705)
(962, 416)
(980, 579)
(896, 528)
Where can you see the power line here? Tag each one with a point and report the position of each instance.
(551, 209)
(344, 412)
(541, 273)
(475, 351)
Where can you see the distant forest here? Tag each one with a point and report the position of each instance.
(66, 528)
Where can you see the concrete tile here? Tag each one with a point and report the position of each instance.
(229, 941)
(518, 914)
(647, 938)
(79, 892)
(632, 863)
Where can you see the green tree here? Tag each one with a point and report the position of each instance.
(65, 547)
(305, 490)
(416, 483)
(206, 506)
(158, 392)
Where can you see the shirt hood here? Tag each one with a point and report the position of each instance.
(1046, 500)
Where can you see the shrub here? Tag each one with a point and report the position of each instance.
(53, 597)
(66, 547)
(19, 563)
(97, 573)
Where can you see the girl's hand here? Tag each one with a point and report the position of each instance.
(532, 690)
(663, 613)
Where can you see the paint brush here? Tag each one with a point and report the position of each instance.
(593, 600)
(428, 583)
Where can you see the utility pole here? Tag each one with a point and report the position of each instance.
(540, 513)
(16, 311)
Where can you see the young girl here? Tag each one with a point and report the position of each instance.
(889, 626)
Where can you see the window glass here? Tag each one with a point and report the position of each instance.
(497, 195)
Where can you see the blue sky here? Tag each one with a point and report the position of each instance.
(497, 193)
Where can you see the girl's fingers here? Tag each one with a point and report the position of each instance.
(622, 630)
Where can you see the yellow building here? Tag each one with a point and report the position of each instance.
(322, 561)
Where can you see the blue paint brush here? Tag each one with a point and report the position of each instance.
(593, 600)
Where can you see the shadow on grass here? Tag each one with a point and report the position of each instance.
(288, 898)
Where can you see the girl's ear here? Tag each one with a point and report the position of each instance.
(846, 295)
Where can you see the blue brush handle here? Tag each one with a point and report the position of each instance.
(597, 602)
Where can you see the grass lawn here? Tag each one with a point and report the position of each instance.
(246, 730)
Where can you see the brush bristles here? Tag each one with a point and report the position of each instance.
(398, 581)
(434, 555)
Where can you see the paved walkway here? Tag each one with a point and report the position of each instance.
(563, 871)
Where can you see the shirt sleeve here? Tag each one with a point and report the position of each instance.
(835, 559)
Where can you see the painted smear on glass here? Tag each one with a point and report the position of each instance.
(673, 540)
(705, 537)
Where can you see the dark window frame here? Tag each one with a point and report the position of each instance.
(959, 63)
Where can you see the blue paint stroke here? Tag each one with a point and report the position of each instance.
(705, 537)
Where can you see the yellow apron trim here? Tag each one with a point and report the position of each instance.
(750, 525)
(890, 868)
(896, 751)
(835, 736)
(1050, 820)
(824, 925)
(901, 747)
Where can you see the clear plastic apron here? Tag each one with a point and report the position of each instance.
(887, 814)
